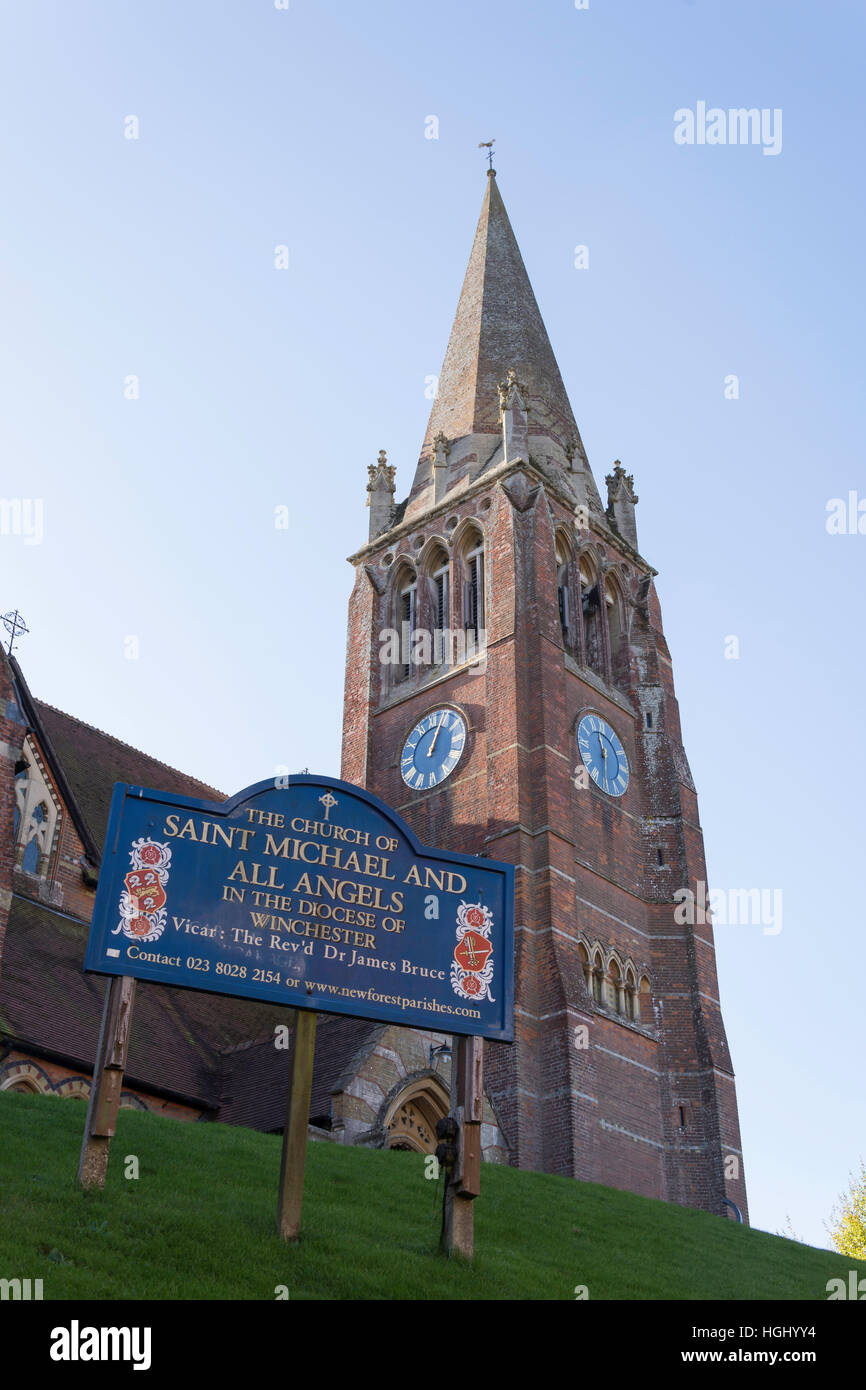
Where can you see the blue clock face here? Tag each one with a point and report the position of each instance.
(603, 755)
(433, 749)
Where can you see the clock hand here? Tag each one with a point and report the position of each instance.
(435, 736)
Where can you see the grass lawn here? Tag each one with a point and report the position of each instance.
(199, 1222)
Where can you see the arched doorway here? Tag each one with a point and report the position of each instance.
(410, 1122)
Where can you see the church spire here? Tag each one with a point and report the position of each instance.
(498, 329)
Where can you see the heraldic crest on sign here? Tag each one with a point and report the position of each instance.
(472, 966)
(142, 902)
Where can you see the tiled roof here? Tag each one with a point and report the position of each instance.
(93, 761)
(208, 1049)
(177, 1035)
(256, 1076)
(211, 1050)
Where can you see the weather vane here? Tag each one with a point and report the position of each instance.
(14, 625)
(488, 146)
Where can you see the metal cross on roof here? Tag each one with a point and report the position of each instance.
(14, 625)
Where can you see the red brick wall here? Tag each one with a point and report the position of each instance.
(48, 1076)
(585, 862)
(64, 873)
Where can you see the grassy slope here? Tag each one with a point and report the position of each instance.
(200, 1223)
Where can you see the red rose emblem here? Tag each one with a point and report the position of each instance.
(472, 984)
(150, 854)
(139, 926)
(475, 917)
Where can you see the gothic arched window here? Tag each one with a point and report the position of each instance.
(590, 601)
(614, 987)
(643, 1000)
(439, 575)
(598, 978)
(24, 1077)
(410, 1121)
(33, 849)
(474, 615)
(36, 815)
(630, 993)
(585, 966)
(22, 770)
(616, 632)
(567, 624)
(406, 586)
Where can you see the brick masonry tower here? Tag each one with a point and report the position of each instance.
(504, 605)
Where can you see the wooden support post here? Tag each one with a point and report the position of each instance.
(107, 1082)
(291, 1193)
(467, 1099)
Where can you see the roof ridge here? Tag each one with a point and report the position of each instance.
(123, 744)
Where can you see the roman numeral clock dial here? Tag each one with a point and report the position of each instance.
(603, 755)
(433, 749)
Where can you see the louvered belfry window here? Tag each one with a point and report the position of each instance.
(474, 593)
(440, 613)
(407, 628)
(562, 593)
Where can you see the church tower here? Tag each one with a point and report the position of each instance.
(509, 692)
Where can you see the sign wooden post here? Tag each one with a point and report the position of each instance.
(291, 1193)
(467, 1099)
(107, 1082)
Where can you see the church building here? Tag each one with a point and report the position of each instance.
(509, 692)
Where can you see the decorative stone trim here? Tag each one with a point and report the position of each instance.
(31, 792)
(392, 1092)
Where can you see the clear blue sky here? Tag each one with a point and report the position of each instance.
(261, 388)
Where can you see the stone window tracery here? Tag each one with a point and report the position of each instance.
(36, 815)
(411, 1119)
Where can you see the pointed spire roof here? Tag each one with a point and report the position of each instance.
(498, 326)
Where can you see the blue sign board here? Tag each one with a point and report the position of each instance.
(308, 892)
